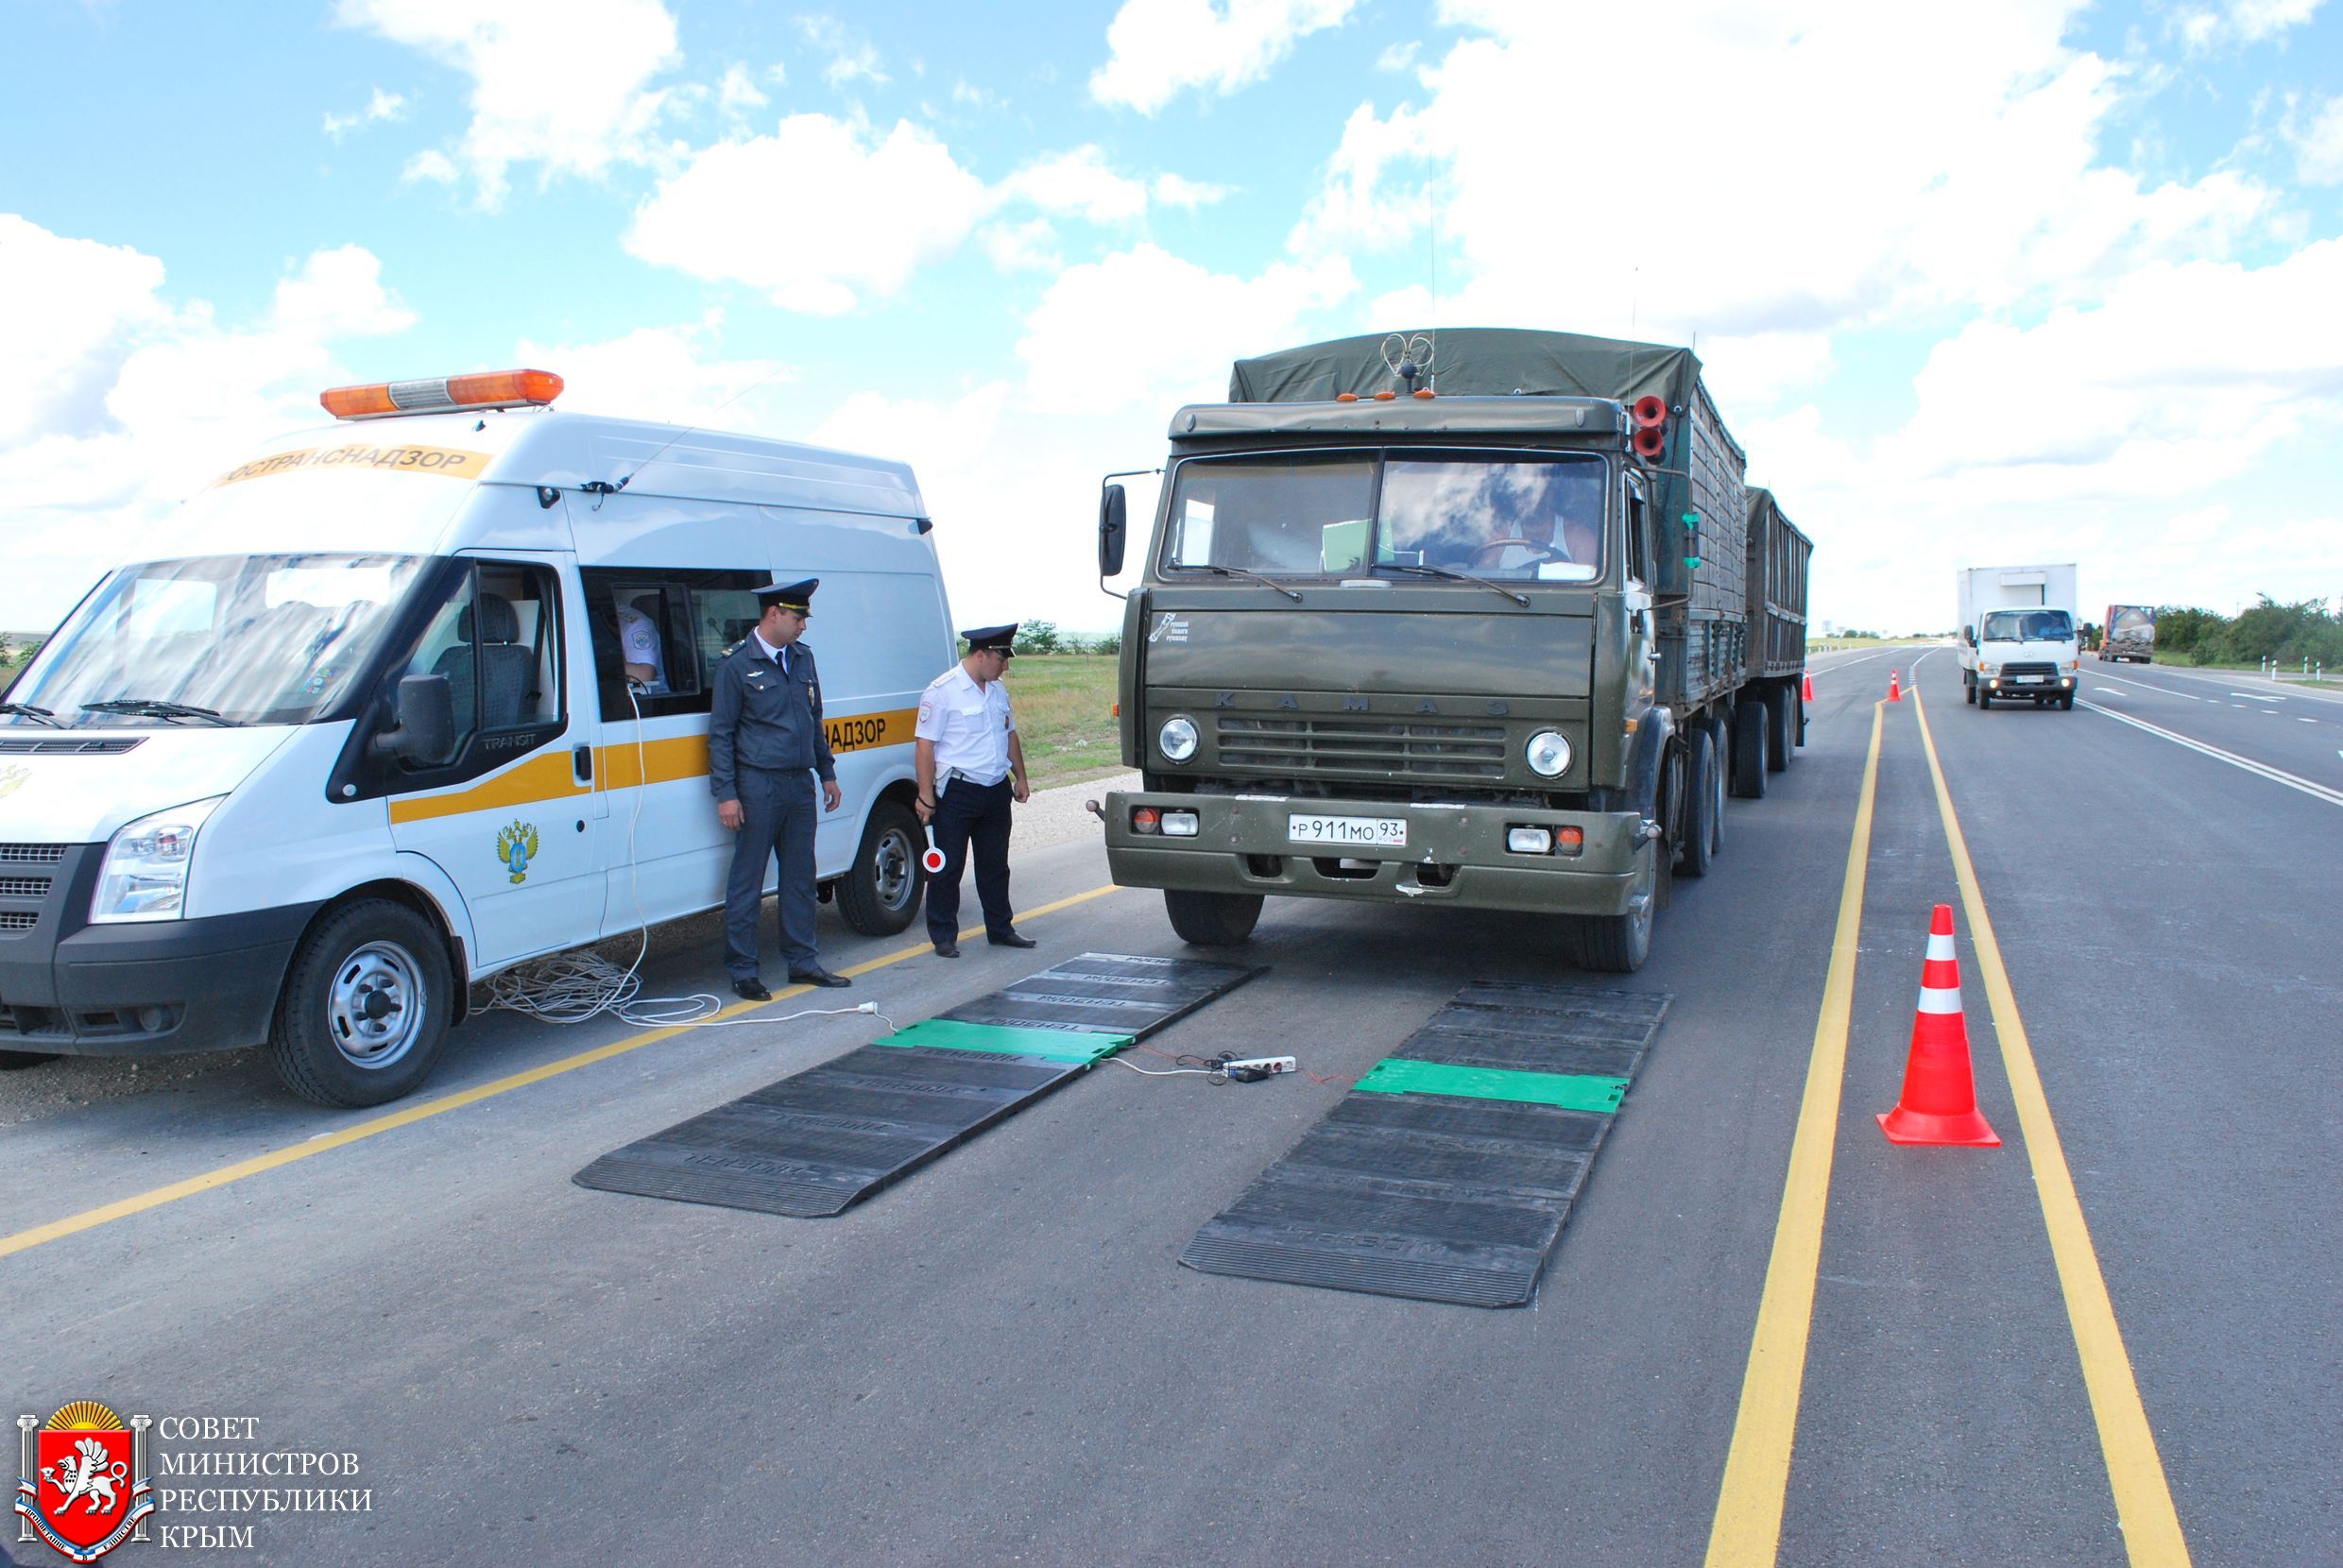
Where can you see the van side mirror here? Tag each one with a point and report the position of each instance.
(1114, 529)
(1968, 635)
(425, 730)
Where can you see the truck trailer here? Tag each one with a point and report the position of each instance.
(1476, 617)
(2019, 638)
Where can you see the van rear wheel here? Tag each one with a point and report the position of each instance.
(880, 893)
(365, 1007)
(1213, 919)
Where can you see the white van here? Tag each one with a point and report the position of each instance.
(368, 734)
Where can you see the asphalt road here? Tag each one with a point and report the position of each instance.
(999, 1360)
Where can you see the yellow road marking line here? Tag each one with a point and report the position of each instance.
(2151, 1526)
(207, 1181)
(1748, 1527)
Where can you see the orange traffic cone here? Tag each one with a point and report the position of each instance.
(1895, 686)
(1939, 1104)
(1806, 692)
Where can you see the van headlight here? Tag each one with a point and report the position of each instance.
(1548, 753)
(144, 877)
(1177, 739)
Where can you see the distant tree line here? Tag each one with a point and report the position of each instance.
(2287, 633)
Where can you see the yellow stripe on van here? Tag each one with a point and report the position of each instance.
(623, 766)
(448, 462)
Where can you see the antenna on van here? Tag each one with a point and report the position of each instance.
(602, 489)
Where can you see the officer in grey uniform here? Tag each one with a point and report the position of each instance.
(765, 748)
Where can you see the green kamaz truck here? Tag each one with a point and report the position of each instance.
(1481, 618)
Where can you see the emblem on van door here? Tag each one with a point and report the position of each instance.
(515, 846)
(12, 779)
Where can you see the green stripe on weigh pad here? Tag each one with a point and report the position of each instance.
(1057, 1045)
(1397, 1075)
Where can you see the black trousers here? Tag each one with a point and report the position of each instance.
(969, 814)
(780, 813)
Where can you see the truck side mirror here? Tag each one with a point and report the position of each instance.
(1968, 635)
(425, 730)
(1114, 528)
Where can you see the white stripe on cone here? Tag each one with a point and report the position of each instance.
(1940, 946)
(1945, 1000)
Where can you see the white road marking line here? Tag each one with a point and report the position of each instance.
(2256, 697)
(2333, 797)
(2109, 690)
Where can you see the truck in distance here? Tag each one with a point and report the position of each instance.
(2131, 635)
(1475, 620)
(2019, 638)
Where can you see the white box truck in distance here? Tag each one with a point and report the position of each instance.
(2019, 638)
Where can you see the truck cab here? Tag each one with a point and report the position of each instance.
(2024, 655)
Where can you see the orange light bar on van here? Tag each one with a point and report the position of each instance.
(443, 394)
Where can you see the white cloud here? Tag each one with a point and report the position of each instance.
(1145, 329)
(1849, 193)
(1078, 182)
(2319, 149)
(559, 83)
(1398, 57)
(382, 106)
(1028, 246)
(2240, 20)
(671, 374)
(1173, 190)
(815, 217)
(116, 403)
(850, 57)
(433, 165)
(739, 92)
(1158, 48)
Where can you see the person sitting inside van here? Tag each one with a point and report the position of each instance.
(640, 646)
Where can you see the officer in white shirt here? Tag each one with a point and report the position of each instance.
(970, 766)
(639, 644)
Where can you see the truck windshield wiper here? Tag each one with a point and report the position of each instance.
(156, 707)
(1240, 572)
(1521, 599)
(41, 714)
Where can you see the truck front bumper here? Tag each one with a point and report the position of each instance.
(1453, 854)
(69, 988)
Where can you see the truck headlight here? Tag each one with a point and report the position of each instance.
(144, 877)
(1177, 739)
(1986, 669)
(1548, 753)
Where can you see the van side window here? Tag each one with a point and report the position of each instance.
(496, 638)
(658, 633)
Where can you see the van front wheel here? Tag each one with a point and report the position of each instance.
(1213, 919)
(880, 894)
(366, 1006)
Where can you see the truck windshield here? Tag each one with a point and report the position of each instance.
(248, 639)
(2029, 626)
(1498, 514)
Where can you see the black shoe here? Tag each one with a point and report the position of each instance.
(751, 990)
(947, 949)
(1011, 938)
(818, 976)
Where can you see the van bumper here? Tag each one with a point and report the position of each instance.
(151, 989)
(1453, 855)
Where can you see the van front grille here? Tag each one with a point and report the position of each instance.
(23, 887)
(17, 920)
(31, 854)
(1384, 748)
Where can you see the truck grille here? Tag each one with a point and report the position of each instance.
(1314, 745)
(31, 854)
(2011, 672)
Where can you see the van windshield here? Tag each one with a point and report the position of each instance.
(247, 640)
(2029, 626)
(1503, 515)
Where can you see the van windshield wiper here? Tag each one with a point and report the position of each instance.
(157, 708)
(1521, 599)
(41, 715)
(1240, 572)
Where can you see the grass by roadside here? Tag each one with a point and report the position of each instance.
(1064, 714)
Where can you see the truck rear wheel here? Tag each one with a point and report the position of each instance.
(366, 1006)
(1618, 943)
(879, 894)
(1213, 919)
(1752, 750)
(1704, 806)
(1780, 729)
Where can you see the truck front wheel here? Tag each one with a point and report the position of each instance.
(366, 1006)
(1618, 943)
(1213, 919)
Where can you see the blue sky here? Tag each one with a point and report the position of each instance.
(2050, 283)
